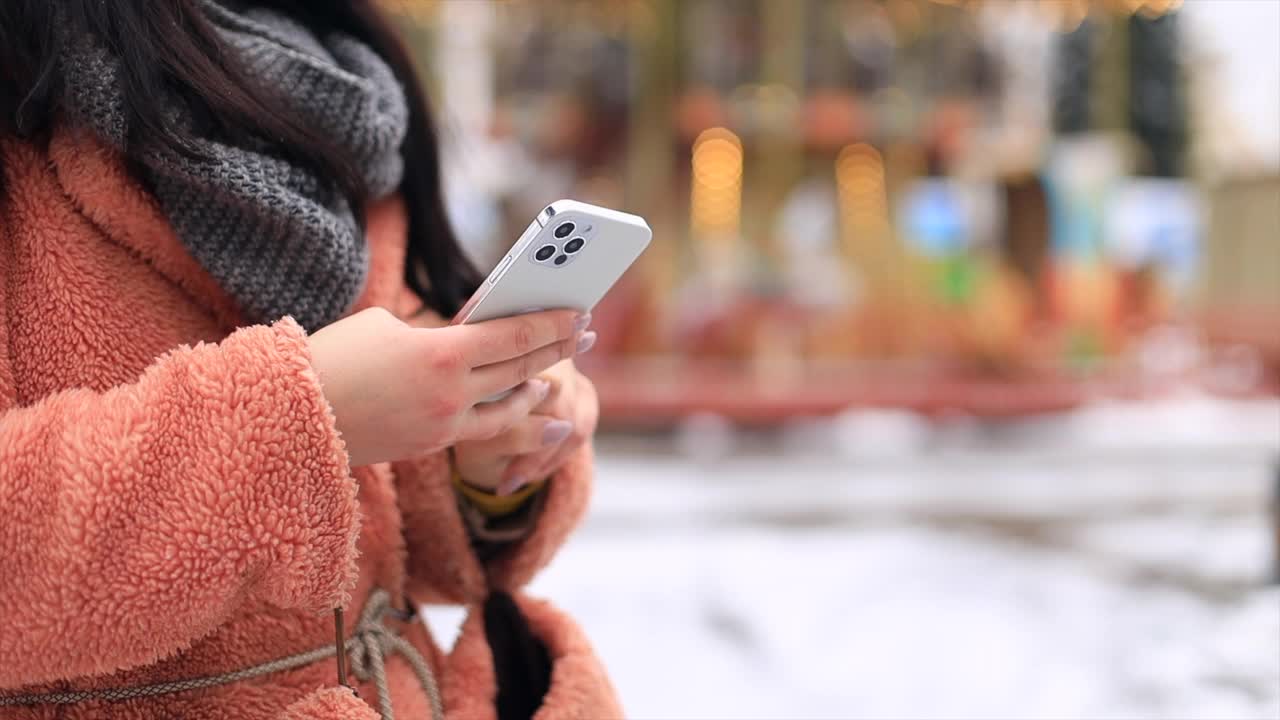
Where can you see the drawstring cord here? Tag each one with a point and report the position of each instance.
(370, 645)
(367, 649)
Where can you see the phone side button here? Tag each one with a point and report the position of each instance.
(497, 272)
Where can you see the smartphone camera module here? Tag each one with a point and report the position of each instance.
(563, 230)
(544, 253)
(574, 245)
(562, 259)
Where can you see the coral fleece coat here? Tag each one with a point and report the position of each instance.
(176, 501)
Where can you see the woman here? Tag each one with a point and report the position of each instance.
(228, 401)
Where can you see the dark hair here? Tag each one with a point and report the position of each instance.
(167, 49)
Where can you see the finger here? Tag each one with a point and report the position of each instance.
(554, 459)
(524, 470)
(527, 468)
(588, 406)
(554, 402)
(485, 381)
(532, 434)
(586, 414)
(487, 420)
(494, 341)
(559, 402)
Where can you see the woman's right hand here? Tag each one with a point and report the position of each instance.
(399, 391)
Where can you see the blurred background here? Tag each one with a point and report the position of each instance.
(948, 386)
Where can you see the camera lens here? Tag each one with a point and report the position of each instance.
(564, 229)
(561, 259)
(545, 252)
(574, 245)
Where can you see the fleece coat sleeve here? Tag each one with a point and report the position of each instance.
(443, 567)
(134, 521)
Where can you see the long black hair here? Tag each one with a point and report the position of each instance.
(168, 49)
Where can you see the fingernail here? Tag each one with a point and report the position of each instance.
(586, 342)
(555, 431)
(511, 485)
(582, 322)
(540, 387)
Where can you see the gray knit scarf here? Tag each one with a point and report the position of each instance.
(279, 239)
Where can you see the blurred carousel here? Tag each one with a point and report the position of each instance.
(987, 208)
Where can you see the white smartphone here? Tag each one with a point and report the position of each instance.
(568, 258)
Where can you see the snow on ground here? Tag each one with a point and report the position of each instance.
(1106, 564)
(905, 623)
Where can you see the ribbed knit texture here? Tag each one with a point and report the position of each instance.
(279, 239)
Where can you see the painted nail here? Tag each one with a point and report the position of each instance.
(511, 485)
(540, 387)
(555, 431)
(582, 322)
(586, 342)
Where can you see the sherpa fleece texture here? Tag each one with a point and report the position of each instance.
(177, 501)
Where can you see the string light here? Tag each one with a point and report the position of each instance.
(860, 184)
(716, 194)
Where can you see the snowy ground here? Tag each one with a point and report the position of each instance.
(1107, 564)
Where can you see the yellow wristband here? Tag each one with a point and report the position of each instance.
(491, 505)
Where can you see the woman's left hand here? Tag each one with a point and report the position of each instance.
(540, 444)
